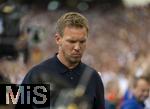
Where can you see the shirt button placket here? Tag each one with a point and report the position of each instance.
(70, 74)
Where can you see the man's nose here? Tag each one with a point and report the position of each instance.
(77, 46)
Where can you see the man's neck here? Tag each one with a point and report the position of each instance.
(67, 64)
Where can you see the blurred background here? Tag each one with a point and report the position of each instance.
(118, 45)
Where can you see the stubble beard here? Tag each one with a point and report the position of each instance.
(73, 60)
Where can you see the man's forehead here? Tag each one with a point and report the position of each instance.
(142, 82)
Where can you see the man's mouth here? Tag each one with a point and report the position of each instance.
(76, 55)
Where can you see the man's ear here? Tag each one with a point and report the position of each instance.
(58, 39)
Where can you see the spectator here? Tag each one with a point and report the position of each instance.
(112, 94)
(140, 93)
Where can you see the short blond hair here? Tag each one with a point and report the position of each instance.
(71, 19)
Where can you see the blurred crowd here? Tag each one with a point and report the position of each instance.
(118, 47)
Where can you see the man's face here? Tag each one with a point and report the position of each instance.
(142, 90)
(72, 44)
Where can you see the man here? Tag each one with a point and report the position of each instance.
(140, 93)
(65, 69)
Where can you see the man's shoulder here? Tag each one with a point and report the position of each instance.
(41, 70)
(46, 64)
(90, 69)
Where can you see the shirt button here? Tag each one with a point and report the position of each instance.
(71, 78)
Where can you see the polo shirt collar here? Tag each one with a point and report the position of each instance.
(63, 69)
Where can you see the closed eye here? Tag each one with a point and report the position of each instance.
(71, 41)
(83, 41)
